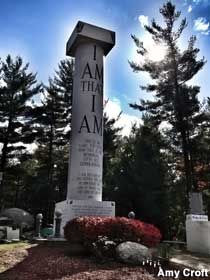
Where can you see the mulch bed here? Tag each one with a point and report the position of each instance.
(52, 263)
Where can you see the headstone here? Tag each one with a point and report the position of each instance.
(9, 234)
(88, 44)
(196, 203)
(197, 226)
(197, 235)
(13, 234)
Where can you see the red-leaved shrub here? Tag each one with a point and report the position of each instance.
(88, 229)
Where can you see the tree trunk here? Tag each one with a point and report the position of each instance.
(50, 179)
(180, 119)
(3, 164)
(187, 165)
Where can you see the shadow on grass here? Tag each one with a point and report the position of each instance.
(47, 262)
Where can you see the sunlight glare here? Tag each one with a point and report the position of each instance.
(156, 52)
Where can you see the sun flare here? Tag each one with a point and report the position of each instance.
(156, 52)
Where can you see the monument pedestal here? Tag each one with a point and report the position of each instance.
(77, 208)
(198, 234)
(197, 226)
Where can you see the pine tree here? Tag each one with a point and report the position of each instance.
(17, 87)
(63, 81)
(49, 124)
(200, 147)
(140, 178)
(52, 121)
(111, 142)
(39, 192)
(175, 101)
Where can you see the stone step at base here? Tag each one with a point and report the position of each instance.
(76, 208)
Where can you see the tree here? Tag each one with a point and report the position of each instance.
(51, 121)
(111, 142)
(63, 81)
(201, 148)
(35, 194)
(175, 101)
(17, 87)
(140, 178)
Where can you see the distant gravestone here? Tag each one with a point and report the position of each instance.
(196, 203)
(197, 226)
(9, 234)
(13, 234)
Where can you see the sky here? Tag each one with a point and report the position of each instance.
(38, 32)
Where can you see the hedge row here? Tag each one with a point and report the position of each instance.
(88, 229)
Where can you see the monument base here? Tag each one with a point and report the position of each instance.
(198, 236)
(77, 208)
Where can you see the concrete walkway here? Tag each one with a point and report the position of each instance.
(191, 260)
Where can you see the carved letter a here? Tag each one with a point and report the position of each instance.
(84, 124)
(87, 71)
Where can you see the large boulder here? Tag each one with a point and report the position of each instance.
(132, 252)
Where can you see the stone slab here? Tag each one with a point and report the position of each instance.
(193, 217)
(12, 233)
(85, 32)
(196, 203)
(77, 208)
(198, 236)
(51, 242)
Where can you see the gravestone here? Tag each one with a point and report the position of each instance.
(9, 234)
(196, 207)
(88, 44)
(196, 203)
(197, 226)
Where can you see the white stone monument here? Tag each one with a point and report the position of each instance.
(88, 44)
(197, 226)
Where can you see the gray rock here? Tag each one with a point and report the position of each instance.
(132, 252)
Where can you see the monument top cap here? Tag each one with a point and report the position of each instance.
(85, 32)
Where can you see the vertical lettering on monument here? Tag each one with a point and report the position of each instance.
(85, 167)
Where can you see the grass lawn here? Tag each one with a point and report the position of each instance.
(13, 246)
(11, 254)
